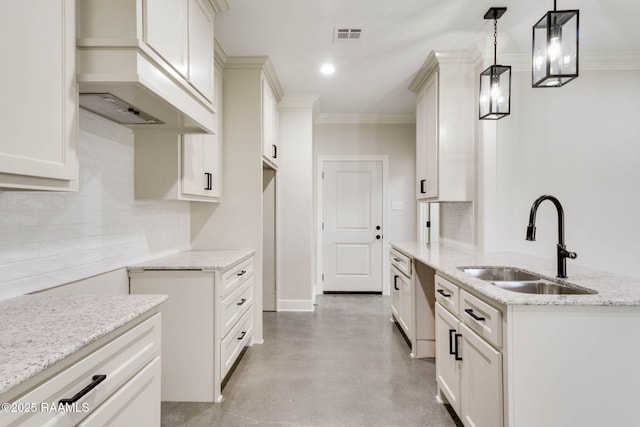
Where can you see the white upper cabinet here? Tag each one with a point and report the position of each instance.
(156, 56)
(39, 103)
(168, 31)
(445, 127)
(201, 171)
(270, 119)
(201, 61)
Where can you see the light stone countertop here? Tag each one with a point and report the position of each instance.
(206, 260)
(613, 289)
(36, 331)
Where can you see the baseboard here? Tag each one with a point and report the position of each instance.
(295, 305)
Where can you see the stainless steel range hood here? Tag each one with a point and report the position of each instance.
(113, 108)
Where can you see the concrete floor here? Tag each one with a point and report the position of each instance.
(345, 364)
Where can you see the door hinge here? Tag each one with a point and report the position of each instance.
(322, 174)
(428, 224)
(323, 226)
(323, 277)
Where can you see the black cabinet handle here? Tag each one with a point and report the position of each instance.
(242, 301)
(443, 293)
(275, 151)
(457, 347)
(242, 335)
(397, 259)
(395, 282)
(209, 181)
(97, 379)
(422, 183)
(242, 273)
(451, 339)
(472, 314)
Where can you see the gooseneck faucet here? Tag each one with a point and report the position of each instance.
(563, 253)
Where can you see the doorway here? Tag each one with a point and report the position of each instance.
(269, 274)
(351, 197)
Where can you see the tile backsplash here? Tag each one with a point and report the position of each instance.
(52, 238)
(456, 221)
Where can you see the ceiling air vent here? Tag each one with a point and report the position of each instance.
(345, 34)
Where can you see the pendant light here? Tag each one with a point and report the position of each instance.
(555, 48)
(495, 81)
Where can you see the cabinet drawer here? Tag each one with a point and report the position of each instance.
(233, 278)
(482, 318)
(235, 305)
(401, 261)
(119, 360)
(236, 340)
(448, 295)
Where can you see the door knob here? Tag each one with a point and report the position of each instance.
(378, 236)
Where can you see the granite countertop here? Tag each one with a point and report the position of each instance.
(208, 260)
(613, 289)
(39, 330)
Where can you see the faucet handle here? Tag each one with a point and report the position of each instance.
(566, 254)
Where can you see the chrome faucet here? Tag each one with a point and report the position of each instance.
(563, 253)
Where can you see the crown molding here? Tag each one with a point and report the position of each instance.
(220, 5)
(588, 61)
(220, 55)
(298, 101)
(372, 118)
(443, 58)
(258, 62)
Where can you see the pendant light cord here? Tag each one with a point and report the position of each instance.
(495, 38)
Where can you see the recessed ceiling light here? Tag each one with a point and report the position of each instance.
(328, 69)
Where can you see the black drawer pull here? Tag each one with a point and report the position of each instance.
(242, 335)
(397, 260)
(97, 379)
(443, 293)
(456, 351)
(242, 273)
(451, 333)
(242, 301)
(395, 282)
(472, 314)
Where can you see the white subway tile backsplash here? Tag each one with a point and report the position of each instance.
(48, 239)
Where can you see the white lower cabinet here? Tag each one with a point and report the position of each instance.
(401, 300)
(468, 367)
(208, 321)
(117, 383)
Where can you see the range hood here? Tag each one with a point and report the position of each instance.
(113, 108)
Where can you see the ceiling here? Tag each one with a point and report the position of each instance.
(373, 73)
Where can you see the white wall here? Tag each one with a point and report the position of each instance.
(580, 143)
(49, 239)
(398, 141)
(295, 207)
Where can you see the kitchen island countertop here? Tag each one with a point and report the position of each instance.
(612, 289)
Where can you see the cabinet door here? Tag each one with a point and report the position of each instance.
(421, 145)
(166, 31)
(39, 98)
(212, 165)
(137, 403)
(481, 382)
(447, 367)
(269, 149)
(431, 134)
(201, 63)
(395, 293)
(405, 305)
(194, 180)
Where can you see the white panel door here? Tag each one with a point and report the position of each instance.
(194, 180)
(201, 47)
(352, 217)
(167, 31)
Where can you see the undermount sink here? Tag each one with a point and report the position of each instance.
(516, 280)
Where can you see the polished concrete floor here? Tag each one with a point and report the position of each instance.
(345, 364)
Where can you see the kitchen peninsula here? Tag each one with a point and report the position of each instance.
(537, 359)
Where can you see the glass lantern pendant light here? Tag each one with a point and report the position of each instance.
(555, 48)
(495, 81)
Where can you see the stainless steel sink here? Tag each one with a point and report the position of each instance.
(516, 280)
